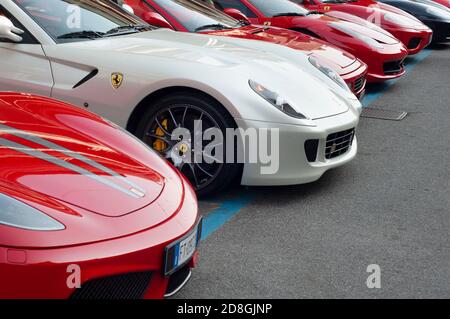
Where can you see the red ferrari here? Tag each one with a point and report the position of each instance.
(414, 34)
(192, 16)
(88, 211)
(381, 51)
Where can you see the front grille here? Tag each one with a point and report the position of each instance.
(124, 286)
(359, 84)
(339, 143)
(311, 147)
(393, 67)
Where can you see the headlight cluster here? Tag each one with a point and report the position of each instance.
(275, 99)
(368, 40)
(14, 213)
(329, 72)
(438, 13)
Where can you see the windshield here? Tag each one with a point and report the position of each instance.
(81, 19)
(278, 8)
(195, 16)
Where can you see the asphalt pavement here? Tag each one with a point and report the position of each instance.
(389, 207)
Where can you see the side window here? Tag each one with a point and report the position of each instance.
(234, 4)
(27, 37)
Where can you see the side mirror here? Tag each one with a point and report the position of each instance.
(9, 31)
(235, 13)
(156, 19)
(128, 8)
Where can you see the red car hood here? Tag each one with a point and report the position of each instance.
(295, 40)
(321, 23)
(69, 165)
(84, 172)
(367, 13)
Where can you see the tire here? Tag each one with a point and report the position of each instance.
(184, 108)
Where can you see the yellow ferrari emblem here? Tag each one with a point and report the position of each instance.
(116, 80)
(267, 23)
(184, 148)
(327, 8)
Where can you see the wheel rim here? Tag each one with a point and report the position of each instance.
(159, 136)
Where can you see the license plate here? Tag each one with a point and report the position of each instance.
(180, 252)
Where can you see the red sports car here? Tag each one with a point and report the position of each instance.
(192, 16)
(87, 210)
(414, 34)
(381, 51)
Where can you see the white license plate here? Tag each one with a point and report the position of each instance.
(185, 249)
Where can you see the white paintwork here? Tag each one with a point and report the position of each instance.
(218, 66)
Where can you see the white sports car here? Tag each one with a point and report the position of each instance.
(152, 81)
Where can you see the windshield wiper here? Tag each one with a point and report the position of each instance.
(212, 26)
(313, 12)
(289, 14)
(82, 35)
(127, 28)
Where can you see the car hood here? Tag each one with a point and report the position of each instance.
(295, 40)
(60, 160)
(283, 69)
(323, 23)
(367, 14)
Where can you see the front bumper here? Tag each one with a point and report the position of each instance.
(441, 30)
(414, 40)
(123, 268)
(293, 164)
(356, 79)
(386, 65)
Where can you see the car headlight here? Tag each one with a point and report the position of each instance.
(329, 72)
(437, 13)
(14, 213)
(368, 40)
(276, 100)
(398, 19)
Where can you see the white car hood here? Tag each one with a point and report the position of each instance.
(290, 74)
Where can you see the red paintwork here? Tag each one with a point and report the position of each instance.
(320, 25)
(106, 232)
(375, 14)
(445, 3)
(344, 63)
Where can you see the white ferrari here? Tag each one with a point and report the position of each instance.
(94, 54)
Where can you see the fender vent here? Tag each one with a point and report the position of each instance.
(86, 78)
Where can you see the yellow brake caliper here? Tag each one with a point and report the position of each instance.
(160, 145)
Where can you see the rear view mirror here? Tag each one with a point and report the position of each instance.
(9, 31)
(235, 13)
(156, 19)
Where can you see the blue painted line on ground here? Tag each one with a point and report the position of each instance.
(229, 208)
(224, 213)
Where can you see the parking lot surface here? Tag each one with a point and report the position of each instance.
(390, 207)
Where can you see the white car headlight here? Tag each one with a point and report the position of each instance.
(398, 19)
(436, 12)
(14, 213)
(276, 100)
(329, 72)
(368, 40)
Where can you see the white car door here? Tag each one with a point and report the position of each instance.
(24, 66)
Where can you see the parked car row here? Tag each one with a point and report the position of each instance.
(92, 211)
